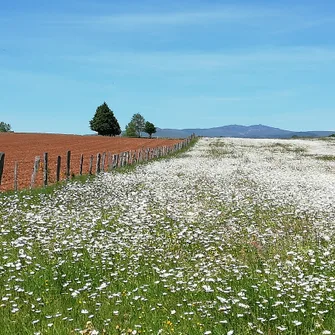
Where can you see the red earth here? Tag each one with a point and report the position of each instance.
(22, 148)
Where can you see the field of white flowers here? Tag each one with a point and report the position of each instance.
(235, 236)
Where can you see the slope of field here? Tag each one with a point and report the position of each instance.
(23, 148)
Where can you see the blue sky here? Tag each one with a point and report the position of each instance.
(181, 64)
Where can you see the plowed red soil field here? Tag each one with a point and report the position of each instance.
(22, 148)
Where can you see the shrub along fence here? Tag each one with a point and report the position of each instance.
(103, 162)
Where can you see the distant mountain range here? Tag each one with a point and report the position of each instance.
(255, 131)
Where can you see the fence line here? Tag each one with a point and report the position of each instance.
(108, 160)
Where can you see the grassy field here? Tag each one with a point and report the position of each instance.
(235, 236)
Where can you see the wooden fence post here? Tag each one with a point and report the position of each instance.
(91, 165)
(59, 161)
(97, 168)
(81, 164)
(103, 162)
(35, 170)
(2, 164)
(115, 161)
(16, 167)
(110, 162)
(113, 158)
(45, 172)
(68, 164)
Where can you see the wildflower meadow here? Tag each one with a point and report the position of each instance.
(234, 236)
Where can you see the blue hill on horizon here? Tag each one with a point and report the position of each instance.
(253, 131)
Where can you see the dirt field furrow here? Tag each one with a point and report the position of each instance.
(23, 148)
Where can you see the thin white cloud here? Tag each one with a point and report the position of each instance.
(198, 61)
(276, 17)
(142, 20)
(270, 18)
(223, 99)
(261, 95)
(223, 14)
(296, 23)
